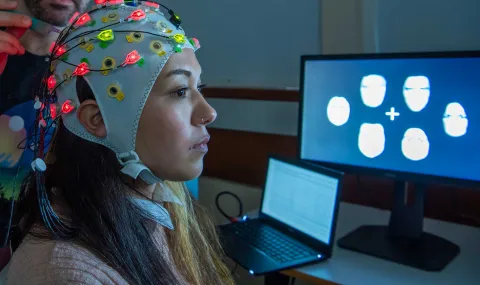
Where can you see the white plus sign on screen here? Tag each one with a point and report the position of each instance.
(392, 114)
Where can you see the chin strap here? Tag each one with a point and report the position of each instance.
(133, 167)
(153, 209)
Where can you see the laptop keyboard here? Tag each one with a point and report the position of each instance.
(270, 241)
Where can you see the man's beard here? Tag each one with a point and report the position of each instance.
(58, 18)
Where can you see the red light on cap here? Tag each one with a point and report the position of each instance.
(151, 4)
(85, 18)
(100, 1)
(51, 82)
(59, 51)
(81, 69)
(137, 15)
(73, 18)
(68, 106)
(132, 57)
(53, 111)
(196, 43)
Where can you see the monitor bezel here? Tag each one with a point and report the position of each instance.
(364, 170)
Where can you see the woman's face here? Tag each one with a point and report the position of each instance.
(172, 136)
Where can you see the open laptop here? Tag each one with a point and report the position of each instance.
(296, 223)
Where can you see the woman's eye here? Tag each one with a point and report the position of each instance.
(181, 93)
(201, 87)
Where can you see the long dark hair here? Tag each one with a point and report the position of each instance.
(86, 176)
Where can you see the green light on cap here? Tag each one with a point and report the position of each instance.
(106, 36)
(179, 38)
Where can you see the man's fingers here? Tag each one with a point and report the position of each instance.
(8, 48)
(8, 19)
(8, 5)
(8, 38)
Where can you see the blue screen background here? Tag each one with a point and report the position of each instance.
(451, 80)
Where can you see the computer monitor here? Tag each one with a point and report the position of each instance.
(411, 117)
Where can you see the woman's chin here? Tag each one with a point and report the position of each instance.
(191, 175)
(185, 174)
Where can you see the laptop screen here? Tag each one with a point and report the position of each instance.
(300, 198)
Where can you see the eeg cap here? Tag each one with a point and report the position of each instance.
(120, 50)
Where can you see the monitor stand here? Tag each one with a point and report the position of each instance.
(403, 240)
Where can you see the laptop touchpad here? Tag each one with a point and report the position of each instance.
(248, 256)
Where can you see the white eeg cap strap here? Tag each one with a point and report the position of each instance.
(133, 167)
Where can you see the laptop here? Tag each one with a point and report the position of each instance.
(296, 223)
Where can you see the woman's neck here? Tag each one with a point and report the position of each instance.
(143, 189)
(33, 41)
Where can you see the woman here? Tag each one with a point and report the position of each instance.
(106, 221)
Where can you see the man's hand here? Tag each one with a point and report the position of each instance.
(15, 25)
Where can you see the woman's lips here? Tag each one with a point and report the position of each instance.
(201, 145)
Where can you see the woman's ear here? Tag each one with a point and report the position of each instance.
(88, 113)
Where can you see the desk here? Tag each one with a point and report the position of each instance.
(348, 267)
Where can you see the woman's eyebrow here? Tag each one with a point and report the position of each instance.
(179, 71)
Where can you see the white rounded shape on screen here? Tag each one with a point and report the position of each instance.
(338, 111)
(415, 144)
(372, 90)
(455, 121)
(371, 140)
(416, 92)
(16, 123)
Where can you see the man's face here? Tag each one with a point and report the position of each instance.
(56, 12)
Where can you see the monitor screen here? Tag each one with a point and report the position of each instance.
(410, 115)
(300, 198)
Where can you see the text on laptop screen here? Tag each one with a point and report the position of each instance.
(417, 115)
(301, 198)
